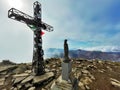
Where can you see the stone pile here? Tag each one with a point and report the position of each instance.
(19, 77)
(29, 82)
(86, 74)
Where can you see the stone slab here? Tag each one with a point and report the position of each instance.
(29, 78)
(19, 79)
(41, 78)
(61, 84)
(2, 81)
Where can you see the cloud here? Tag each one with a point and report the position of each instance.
(85, 23)
(104, 48)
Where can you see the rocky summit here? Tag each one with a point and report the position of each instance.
(85, 75)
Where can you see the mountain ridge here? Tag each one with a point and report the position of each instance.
(79, 53)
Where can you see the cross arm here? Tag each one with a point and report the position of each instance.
(47, 27)
(20, 16)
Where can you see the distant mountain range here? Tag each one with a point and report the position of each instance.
(54, 52)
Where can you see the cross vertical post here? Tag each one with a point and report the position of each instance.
(35, 23)
(38, 61)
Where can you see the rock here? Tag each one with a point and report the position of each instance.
(92, 77)
(19, 86)
(91, 67)
(20, 75)
(53, 70)
(17, 80)
(15, 89)
(81, 85)
(27, 85)
(28, 71)
(115, 82)
(47, 70)
(109, 68)
(43, 89)
(4, 89)
(21, 69)
(86, 81)
(29, 78)
(79, 66)
(100, 62)
(2, 80)
(31, 88)
(39, 79)
(77, 74)
(7, 68)
(60, 84)
(11, 88)
(87, 88)
(53, 66)
(85, 72)
(101, 71)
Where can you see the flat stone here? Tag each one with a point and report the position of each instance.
(7, 68)
(61, 85)
(29, 78)
(112, 79)
(11, 88)
(85, 72)
(19, 79)
(115, 82)
(41, 78)
(2, 81)
(28, 71)
(20, 75)
(27, 85)
(31, 88)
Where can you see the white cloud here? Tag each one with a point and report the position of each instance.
(104, 48)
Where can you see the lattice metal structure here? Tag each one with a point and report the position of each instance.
(36, 24)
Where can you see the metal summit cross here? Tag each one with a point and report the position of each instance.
(36, 24)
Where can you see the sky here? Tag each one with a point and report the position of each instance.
(87, 24)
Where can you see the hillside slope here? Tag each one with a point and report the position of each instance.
(91, 75)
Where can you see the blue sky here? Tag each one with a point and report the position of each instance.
(87, 24)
